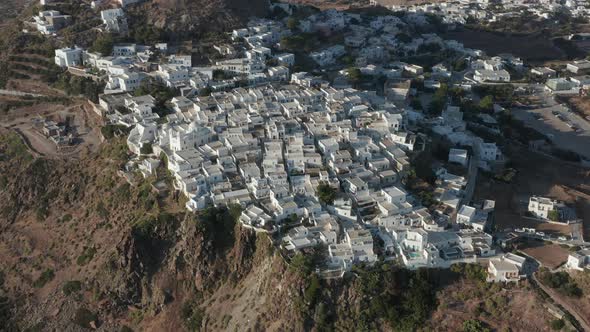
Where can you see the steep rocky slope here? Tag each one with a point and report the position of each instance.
(83, 248)
(187, 17)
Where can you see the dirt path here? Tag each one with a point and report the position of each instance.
(572, 310)
(19, 93)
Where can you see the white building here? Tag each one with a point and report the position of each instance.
(114, 20)
(458, 156)
(541, 206)
(124, 3)
(578, 67)
(466, 215)
(484, 75)
(579, 260)
(68, 57)
(506, 269)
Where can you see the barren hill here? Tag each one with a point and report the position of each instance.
(185, 16)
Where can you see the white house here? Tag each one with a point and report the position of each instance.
(114, 20)
(579, 260)
(506, 269)
(466, 215)
(484, 75)
(124, 3)
(578, 67)
(541, 206)
(68, 57)
(458, 156)
(488, 151)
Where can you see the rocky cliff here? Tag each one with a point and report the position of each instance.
(84, 248)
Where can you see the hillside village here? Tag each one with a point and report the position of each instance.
(359, 136)
(318, 162)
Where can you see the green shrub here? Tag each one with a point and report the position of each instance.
(86, 256)
(192, 316)
(66, 218)
(557, 324)
(474, 325)
(326, 194)
(146, 148)
(71, 287)
(44, 278)
(84, 317)
(562, 282)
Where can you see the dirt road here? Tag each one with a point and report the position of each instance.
(572, 310)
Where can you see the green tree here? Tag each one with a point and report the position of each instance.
(312, 291)
(553, 215)
(72, 286)
(416, 104)
(103, 44)
(292, 23)
(44, 278)
(557, 324)
(474, 325)
(192, 316)
(146, 148)
(354, 75)
(486, 103)
(326, 193)
(84, 318)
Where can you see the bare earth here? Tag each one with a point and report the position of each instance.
(538, 47)
(550, 256)
(84, 121)
(543, 176)
(519, 309)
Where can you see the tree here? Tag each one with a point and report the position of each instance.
(439, 100)
(146, 148)
(553, 215)
(436, 106)
(301, 264)
(292, 23)
(326, 193)
(84, 318)
(416, 104)
(402, 37)
(103, 44)
(473, 325)
(292, 42)
(354, 74)
(486, 103)
(557, 324)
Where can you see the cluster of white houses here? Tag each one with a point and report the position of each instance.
(266, 138)
(269, 144)
(460, 12)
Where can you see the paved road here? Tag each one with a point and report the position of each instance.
(553, 240)
(571, 309)
(471, 178)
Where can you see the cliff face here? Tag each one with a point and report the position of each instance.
(135, 258)
(81, 247)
